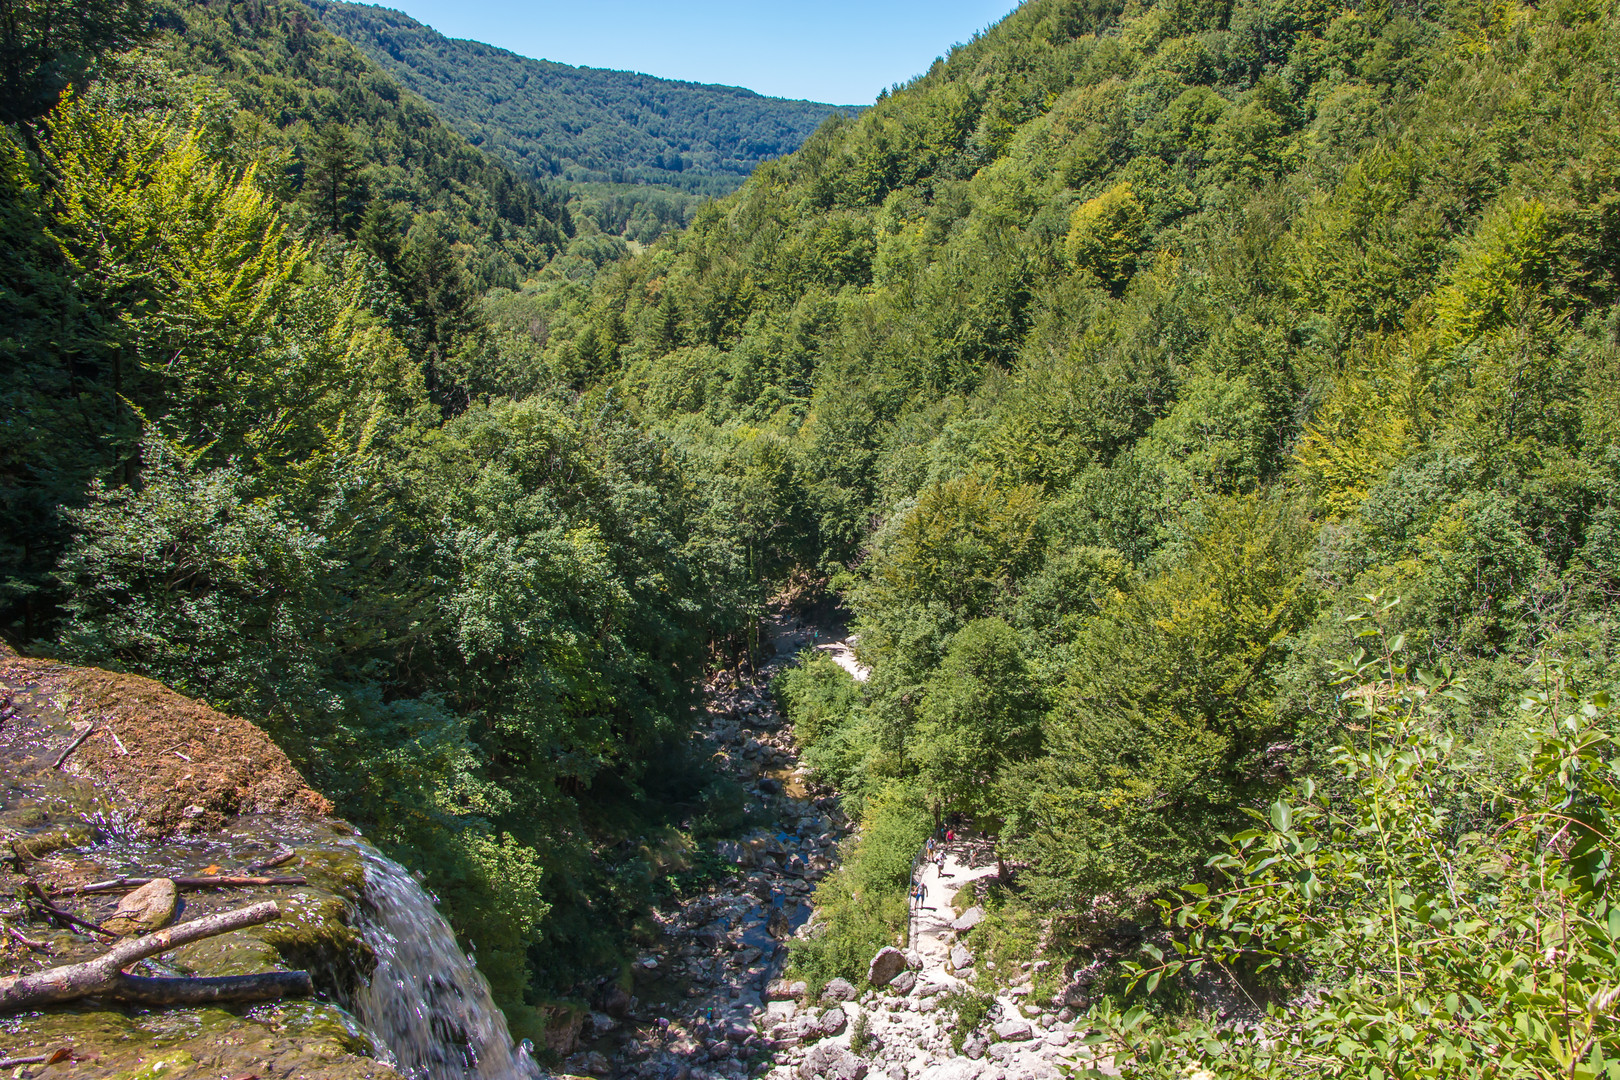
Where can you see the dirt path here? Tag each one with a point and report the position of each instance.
(932, 917)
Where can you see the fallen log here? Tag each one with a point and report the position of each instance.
(207, 881)
(103, 976)
(266, 986)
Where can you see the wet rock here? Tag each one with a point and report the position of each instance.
(769, 785)
(830, 1061)
(796, 866)
(1014, 1029)
(961, 959)
(888, 963)
(903, 982)
(970, 918)
(588, 1064)
(838, 990)
(49, 841)
(150, 907)
(779, 926)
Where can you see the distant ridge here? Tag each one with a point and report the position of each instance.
(580, 124)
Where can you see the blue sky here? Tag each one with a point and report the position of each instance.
(838, 51)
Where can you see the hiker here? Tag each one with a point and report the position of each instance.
(950, 836)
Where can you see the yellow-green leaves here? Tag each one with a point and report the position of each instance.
(1105, 234)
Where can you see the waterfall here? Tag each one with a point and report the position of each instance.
(426, 1002)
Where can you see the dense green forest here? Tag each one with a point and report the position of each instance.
(1208, 411)
(264, 440)
(1124, 371)
(586, 125)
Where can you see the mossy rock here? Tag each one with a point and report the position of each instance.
(49, 841)
(309, 1038)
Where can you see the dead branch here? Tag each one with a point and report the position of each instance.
(74, 745)
(208, 881)
(280, 860)
(61, 915)
(52, 1058)
(103, 976)
(38, 946)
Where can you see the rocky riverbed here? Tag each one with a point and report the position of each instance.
(709, 1000)
(699, 996)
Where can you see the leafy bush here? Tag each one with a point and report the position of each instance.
(1437, 950)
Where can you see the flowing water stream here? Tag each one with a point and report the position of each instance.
(425, 1001)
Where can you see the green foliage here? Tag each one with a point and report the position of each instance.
(864, 904)
(1443, 951)
(980, 716)
(1104, 235)
(341, 425)
(970, 1009)
(817, 697)
(45, 48)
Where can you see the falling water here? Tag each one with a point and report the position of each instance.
(426, 1001)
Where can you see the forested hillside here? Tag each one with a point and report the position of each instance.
(586, 125)
(263, 440)
(1127, 371)
(1208, 411)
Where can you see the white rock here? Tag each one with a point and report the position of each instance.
(1014, 1030)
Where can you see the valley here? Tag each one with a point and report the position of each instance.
(1169, 447)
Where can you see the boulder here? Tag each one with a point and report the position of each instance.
(838, 990)
(888, 963)
(782, 990)
(150, 907)
(589, 1064)
(903, 982)
(616, 1002)
(1014, 1029)
(970, 918)
(832, 1022)
(961, 959)
(829, 1061)
(1000, 1052)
